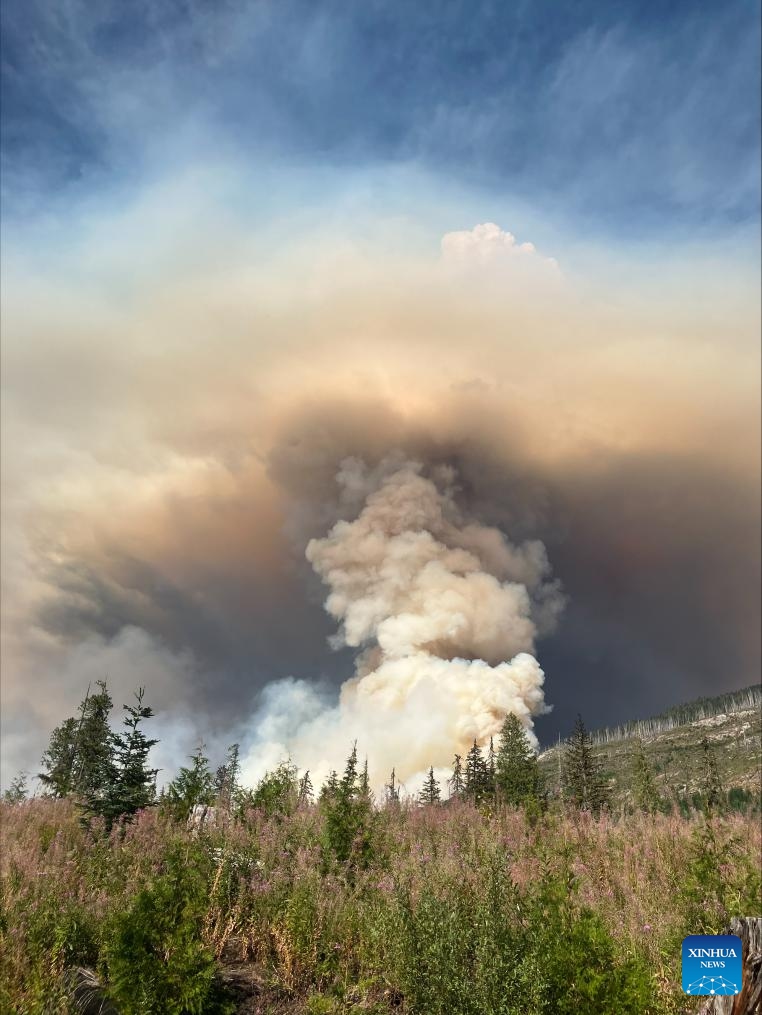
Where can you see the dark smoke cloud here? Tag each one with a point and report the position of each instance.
(157, 524)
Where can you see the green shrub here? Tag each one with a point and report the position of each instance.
(155, 960)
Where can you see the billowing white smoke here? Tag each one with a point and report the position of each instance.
(444, 614)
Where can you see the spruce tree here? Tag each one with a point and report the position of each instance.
(517, 773)
(59, 758)
(95, 759)
(305, 790)
(365, 780)
(348, 816)
(191, 786)
(476, 774)
(645, 791)
(430, 793)
(330, 787)
(711, 784)
(134, 784)
(392, 790)
(226, 777)
(80, 755)
(456, 782)
(583, 780)
(491, 769)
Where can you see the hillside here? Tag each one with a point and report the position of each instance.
(672, 741)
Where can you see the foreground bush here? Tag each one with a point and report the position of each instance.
(442, 909)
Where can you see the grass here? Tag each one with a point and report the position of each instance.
(446, 909)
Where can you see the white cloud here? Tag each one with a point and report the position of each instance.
(488, 244)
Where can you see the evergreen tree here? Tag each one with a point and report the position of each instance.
(59, 758)
(191, 786)
(277, 792)
(646, 793)
(17, 790)
(392, 790)
(94, 764)
(491, 769)
(583, 781)
(80, 755)
(430, 793)
(711, 784)
(476, 774)
(226, 777)
(330, 787)
(456, 782)
(306, 792)
(365, 780)
(517, 774)
(133, 786)
(348, 816)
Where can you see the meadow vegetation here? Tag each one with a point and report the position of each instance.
(494, 901)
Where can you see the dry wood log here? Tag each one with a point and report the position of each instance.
(749, 1001)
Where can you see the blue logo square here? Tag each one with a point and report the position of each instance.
(712, 964)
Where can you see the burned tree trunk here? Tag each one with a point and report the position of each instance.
(749, 1001)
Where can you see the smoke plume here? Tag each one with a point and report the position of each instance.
(443, 612)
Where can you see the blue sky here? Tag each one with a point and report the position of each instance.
(641, 117)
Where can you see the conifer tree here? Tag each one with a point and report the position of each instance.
(94, 765)
(348, 815)
(226, 777)
(491, 769)
(456, 781)
(645, 791)
(17, 791)
(80, 755)
(134, 783)
(583, 780)
(517, 773)
(711, 784)
(191, 786)
(305, 790)
(392, 790)
(59, 759)
(277, 792)
(365, 780)
(430, 793)
(330, 787)
(476, 774)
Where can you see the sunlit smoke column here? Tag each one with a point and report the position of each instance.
(443, 611)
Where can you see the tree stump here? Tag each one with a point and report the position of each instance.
(749, 1001)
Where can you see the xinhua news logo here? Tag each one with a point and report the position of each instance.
(712, 964)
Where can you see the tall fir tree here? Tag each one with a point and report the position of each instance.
(392, 790)
(456, 781)
(226, 777)
(59, 757)
(517, 774)
(306, 793)
(645, 791)
(430, 792)
(80, 755)
(365, 780)
(94, 767)
(476, 775)
(583, 781)
(491, 768)
(191, 786)
(134, 783)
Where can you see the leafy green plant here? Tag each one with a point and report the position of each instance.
(155, 960)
